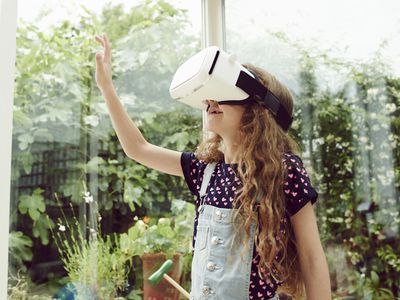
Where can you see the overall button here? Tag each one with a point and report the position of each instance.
(207, 290)
(211, 266)
(215, 240)
(219, 215)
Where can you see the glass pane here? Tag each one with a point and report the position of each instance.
(341, 62)
(82, 212)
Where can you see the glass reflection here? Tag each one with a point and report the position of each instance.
(341, 62)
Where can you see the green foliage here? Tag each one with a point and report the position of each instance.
(20, 249)
(166, 235)
(389, 256)
(34, 206)
(351, 135)
(135, 295)
(57, 106)
(72, 188)
(368, 288)
(20, 287)
(95, 264)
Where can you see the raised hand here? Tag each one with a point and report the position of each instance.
(103, 64)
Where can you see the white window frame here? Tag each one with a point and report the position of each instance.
(8, 24)
(213, 34)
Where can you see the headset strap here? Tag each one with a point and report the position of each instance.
(253, 87)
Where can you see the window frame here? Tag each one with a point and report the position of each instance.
(212, 33)
(8, 25)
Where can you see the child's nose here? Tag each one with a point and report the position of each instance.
(211, 103)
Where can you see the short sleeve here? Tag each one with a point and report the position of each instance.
(193, 170)
(297, 186)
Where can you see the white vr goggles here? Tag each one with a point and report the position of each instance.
(213, 74)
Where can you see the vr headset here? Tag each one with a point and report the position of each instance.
(213, 74)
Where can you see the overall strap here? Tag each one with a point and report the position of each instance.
(206, 178)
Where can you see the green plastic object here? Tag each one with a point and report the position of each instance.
(158, 275)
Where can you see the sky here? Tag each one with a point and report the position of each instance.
(354, 27)
(29, 9)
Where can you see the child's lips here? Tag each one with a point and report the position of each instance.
(214, 111)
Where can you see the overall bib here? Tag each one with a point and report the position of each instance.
(218, 271)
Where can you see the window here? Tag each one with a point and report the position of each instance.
(74, 192)
(70, 175)
(341, 62)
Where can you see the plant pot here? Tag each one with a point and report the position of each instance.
(163, 290)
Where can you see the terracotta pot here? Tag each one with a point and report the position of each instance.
(163, 290)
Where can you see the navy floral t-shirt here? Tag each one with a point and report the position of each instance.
(221, 190)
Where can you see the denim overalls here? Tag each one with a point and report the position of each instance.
(218, 271)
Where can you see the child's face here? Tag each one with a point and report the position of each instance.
(225, 123)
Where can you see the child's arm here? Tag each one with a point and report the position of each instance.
(312, 258)
(132, 141)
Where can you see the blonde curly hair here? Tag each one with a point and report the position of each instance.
(262, 171)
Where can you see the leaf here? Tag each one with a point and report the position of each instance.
(180, 139)
(132, 193)
(374, 279)
(26, 158)
(91, 120)
(73, 189)
(135, 295)
(44, 134)
(134, 232)
(20, 246)
(25, 140)
(32, 204)
(167, 8)
(21, 119)
(93, 164)
(164, 222)
(166, 232)
(41, 228)
(178, 206)
(103, 186)
(108, 205)
(142, 57)
(148, 117)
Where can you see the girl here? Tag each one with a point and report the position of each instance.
(255, 228)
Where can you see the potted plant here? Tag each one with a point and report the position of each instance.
(157, 240)
(95, 263)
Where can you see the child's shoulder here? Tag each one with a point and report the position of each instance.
(190, 158)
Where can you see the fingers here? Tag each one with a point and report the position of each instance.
(99, 56)
(103, 40)
(100, 40)
(99, 61)
(107, 47)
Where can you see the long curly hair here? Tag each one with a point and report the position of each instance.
(262, 171)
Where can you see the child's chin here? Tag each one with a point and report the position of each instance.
(210, 128)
